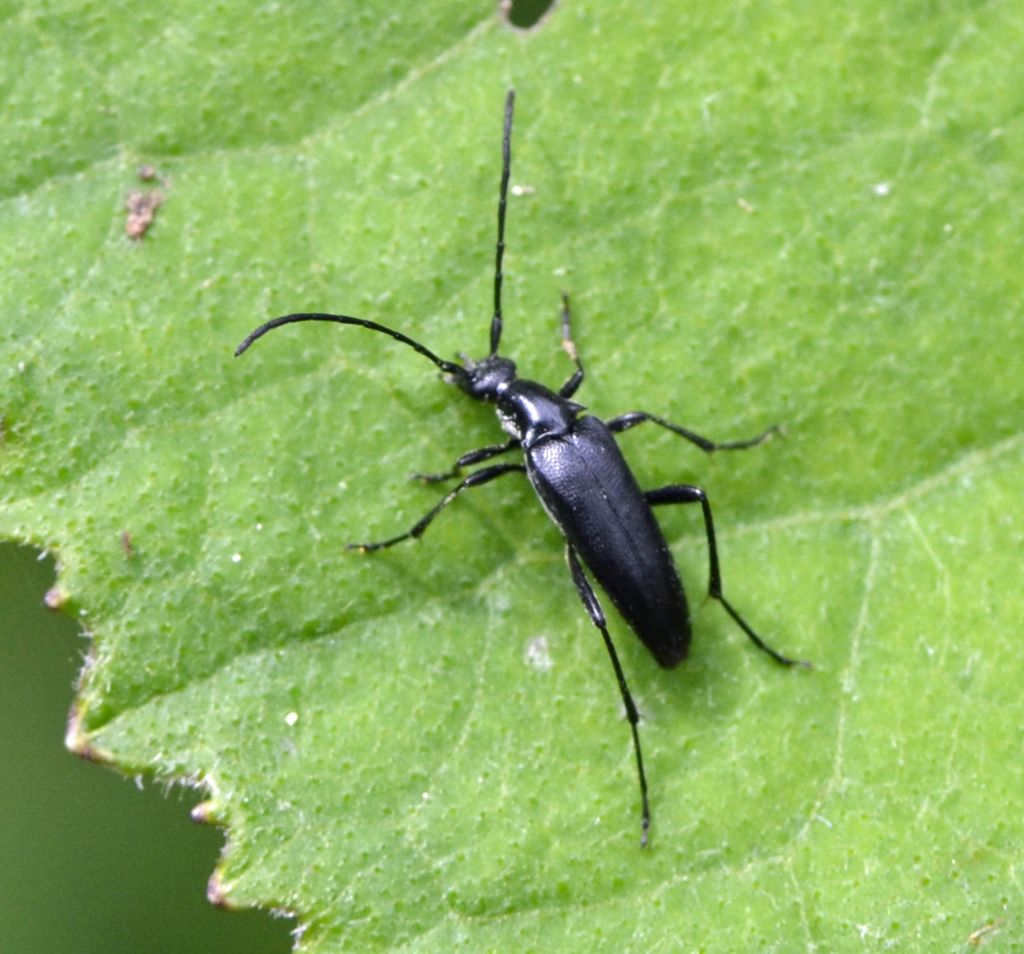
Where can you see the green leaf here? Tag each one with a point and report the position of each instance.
(795, 214)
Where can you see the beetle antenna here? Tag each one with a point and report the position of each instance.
(449, 367)
(506, 165)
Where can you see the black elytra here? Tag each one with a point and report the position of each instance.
(573, 462)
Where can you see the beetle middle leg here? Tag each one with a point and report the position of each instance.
(477, 456)
(631, 418)
(596, 614)
(688, 493)
(473, 480)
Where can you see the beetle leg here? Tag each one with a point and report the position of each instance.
(477, 456)
(687, 493)
(594, 611)
(631, 418)
(473, 480)
(568, 389)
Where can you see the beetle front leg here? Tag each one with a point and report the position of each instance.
(568, 389)
(687, 493)
(477, 456)
(473, 480)
(631, 418)
(596, 614)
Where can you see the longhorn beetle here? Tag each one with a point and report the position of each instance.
(584, 484)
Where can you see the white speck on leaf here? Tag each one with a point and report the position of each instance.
(537, 654)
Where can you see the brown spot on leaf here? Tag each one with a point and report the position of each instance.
(141, 208)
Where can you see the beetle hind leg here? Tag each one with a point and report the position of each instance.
(596, 614)
(688, 493)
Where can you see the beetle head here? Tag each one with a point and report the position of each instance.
(484, 380)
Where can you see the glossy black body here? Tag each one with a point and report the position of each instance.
(591, 494)
(588, 490)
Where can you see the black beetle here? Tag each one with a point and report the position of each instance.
(583, 482)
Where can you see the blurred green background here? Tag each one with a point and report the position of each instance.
(87, 862)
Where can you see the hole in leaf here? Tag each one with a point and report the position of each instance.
(524, 14)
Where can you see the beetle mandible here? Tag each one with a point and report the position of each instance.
(574, 464)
